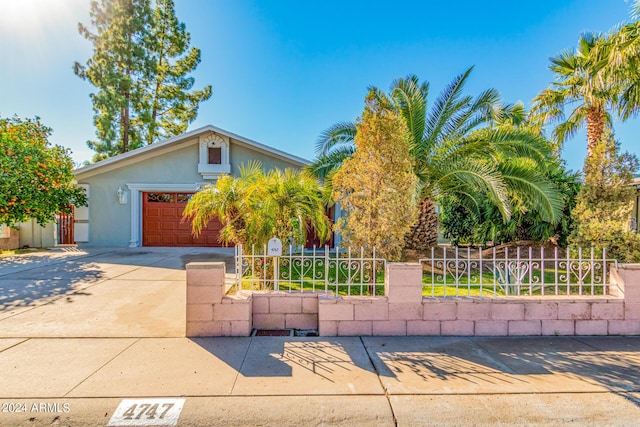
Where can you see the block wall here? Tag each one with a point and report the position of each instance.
(280, 310)
(405, 312)
(209, 311)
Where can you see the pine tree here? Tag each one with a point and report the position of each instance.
(119, 60)
(603, 207)
(140, 67)
(376, 186)
(169, 103)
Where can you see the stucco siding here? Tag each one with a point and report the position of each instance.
(109, 221)
(239, 155)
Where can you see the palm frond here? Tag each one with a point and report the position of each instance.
(569, 127)
(538, 193)
(339, 134)
(441, 110)
(325, 164)
(411, 100)
(472, 177)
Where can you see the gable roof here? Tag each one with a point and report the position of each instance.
(178, 139)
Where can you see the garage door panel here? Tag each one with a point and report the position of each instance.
(185, 239)
(151, 211)
(184, 227)
(152, 240)
(169, 213)
(153, 226)
(169, 226)
(162, 223)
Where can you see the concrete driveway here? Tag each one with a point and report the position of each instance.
(98, 292)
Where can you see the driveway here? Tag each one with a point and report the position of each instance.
(98, 292)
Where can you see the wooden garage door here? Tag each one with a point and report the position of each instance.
(162, 222)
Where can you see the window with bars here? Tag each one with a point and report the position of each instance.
(215, 155)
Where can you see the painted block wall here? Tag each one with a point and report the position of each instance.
(403, 311)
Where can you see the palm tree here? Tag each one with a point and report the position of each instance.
(257, 206)
(583, 84)
(455, 152)
(622, 52)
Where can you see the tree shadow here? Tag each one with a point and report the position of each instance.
(33, 279)
(43, 284)
(461, 365)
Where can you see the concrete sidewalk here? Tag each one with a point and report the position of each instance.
(326, 381)
(82, 332)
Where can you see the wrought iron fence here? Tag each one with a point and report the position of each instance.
(342, 271)
(452, 272)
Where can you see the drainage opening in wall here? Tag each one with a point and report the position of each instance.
(284, 333)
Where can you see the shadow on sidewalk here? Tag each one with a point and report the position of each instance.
(499, 363)
(329, 358)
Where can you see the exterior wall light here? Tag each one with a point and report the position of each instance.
(122, 196)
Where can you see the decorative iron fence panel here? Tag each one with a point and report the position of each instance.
(454, 272)
(341, 271)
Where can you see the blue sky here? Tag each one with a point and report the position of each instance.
(284, 70)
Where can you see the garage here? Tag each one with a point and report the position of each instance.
(162, 223)
(137, 198)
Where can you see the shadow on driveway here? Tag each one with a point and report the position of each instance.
(33, 279)
(29, 288)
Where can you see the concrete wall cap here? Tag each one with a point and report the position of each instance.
(205, 265)
(629, 266)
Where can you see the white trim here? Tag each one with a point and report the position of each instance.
(136, 203)
(212, 140)
(166, 145)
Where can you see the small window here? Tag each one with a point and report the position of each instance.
(160, 197)
(184, 197)
(215, 155)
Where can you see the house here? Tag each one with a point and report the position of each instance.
(137, 198)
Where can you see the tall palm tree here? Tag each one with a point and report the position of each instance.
(582, 84)
(456, 152)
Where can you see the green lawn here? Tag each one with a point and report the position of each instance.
(471, 286)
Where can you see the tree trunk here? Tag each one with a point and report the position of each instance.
(595, 127)
(424, 233)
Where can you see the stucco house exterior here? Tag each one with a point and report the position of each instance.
(137, 198)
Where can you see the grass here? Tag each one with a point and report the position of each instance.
(312, 278)
(490, 287)
(11, 252)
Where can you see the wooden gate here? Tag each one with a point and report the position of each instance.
(65, 228)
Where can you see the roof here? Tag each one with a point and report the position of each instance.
(131, 155)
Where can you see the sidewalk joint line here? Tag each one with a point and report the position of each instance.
(387, 395)
(503, 367)
(102, 366)
(24, 340)
(246, 353)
